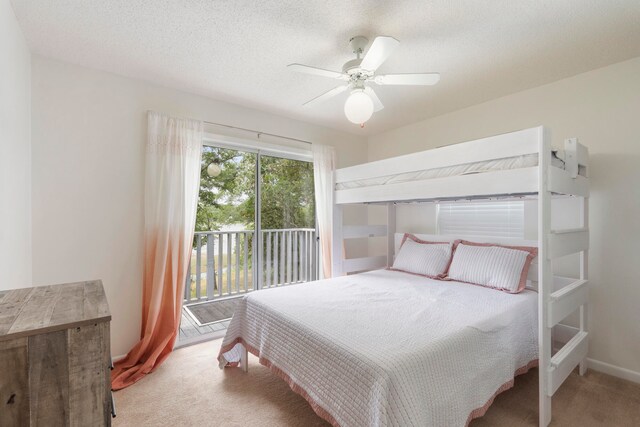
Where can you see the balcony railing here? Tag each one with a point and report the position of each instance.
(223, 263)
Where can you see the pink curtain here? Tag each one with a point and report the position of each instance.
(324, 163)
(172, 181)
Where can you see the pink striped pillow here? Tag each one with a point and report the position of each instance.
(495, 266)
(429, 259)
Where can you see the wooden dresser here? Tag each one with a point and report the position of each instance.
(54, 356)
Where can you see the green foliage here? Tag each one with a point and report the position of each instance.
(287, 191)
(287, 194)
(222, 199)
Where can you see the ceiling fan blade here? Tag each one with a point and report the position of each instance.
(381, 48)
(329, 94)
(377, 104)
(317, 71)
(424, 79)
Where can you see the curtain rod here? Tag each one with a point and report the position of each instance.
(257, 132)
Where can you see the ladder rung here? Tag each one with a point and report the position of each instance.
(562, 182)
(565, 301)
(358, 231)
(565, 360)
(363, 264)
(566, 242)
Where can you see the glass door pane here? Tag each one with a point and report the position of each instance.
(288, 226)
(222, 257)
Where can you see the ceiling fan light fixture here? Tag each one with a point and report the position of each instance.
(359, 107)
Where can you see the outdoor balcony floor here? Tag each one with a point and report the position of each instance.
(191, 332)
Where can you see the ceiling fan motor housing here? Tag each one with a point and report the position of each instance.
(352, 67)
(358, 44)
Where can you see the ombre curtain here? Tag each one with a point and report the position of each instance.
(172, 181)
(324, 163)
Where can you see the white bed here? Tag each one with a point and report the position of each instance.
(381, 349)
(386, 348)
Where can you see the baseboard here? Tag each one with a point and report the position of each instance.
(116, 358)
(615, 371)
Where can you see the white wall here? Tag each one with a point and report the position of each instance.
(15, 153)
(602, 109)
(89, 130)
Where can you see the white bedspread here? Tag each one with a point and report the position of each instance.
(387, 348)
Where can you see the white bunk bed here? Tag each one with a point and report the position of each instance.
(517, 164)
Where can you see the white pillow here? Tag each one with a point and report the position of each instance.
(425, 259)
(492, 266)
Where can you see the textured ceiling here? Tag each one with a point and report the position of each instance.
(238, 50)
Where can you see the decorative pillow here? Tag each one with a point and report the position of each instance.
(430, 259)
(494, 266)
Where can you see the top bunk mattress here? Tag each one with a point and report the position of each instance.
(517, 162)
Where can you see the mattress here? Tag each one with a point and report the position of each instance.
(387, 348)
(517, 162)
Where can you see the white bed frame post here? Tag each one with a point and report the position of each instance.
(545, 277)
(337, 243)
(244, 359)
(391, 232)
(578, 157)
(584, 275)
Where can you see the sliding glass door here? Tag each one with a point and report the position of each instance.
(255, 224)
(288, 222)
(221, 260)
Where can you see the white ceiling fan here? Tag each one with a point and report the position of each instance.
(359, 72)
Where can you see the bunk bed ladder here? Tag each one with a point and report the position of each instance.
(554, 306)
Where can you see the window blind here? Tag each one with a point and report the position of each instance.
(482, 219)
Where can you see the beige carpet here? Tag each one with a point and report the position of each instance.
(189, 390)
